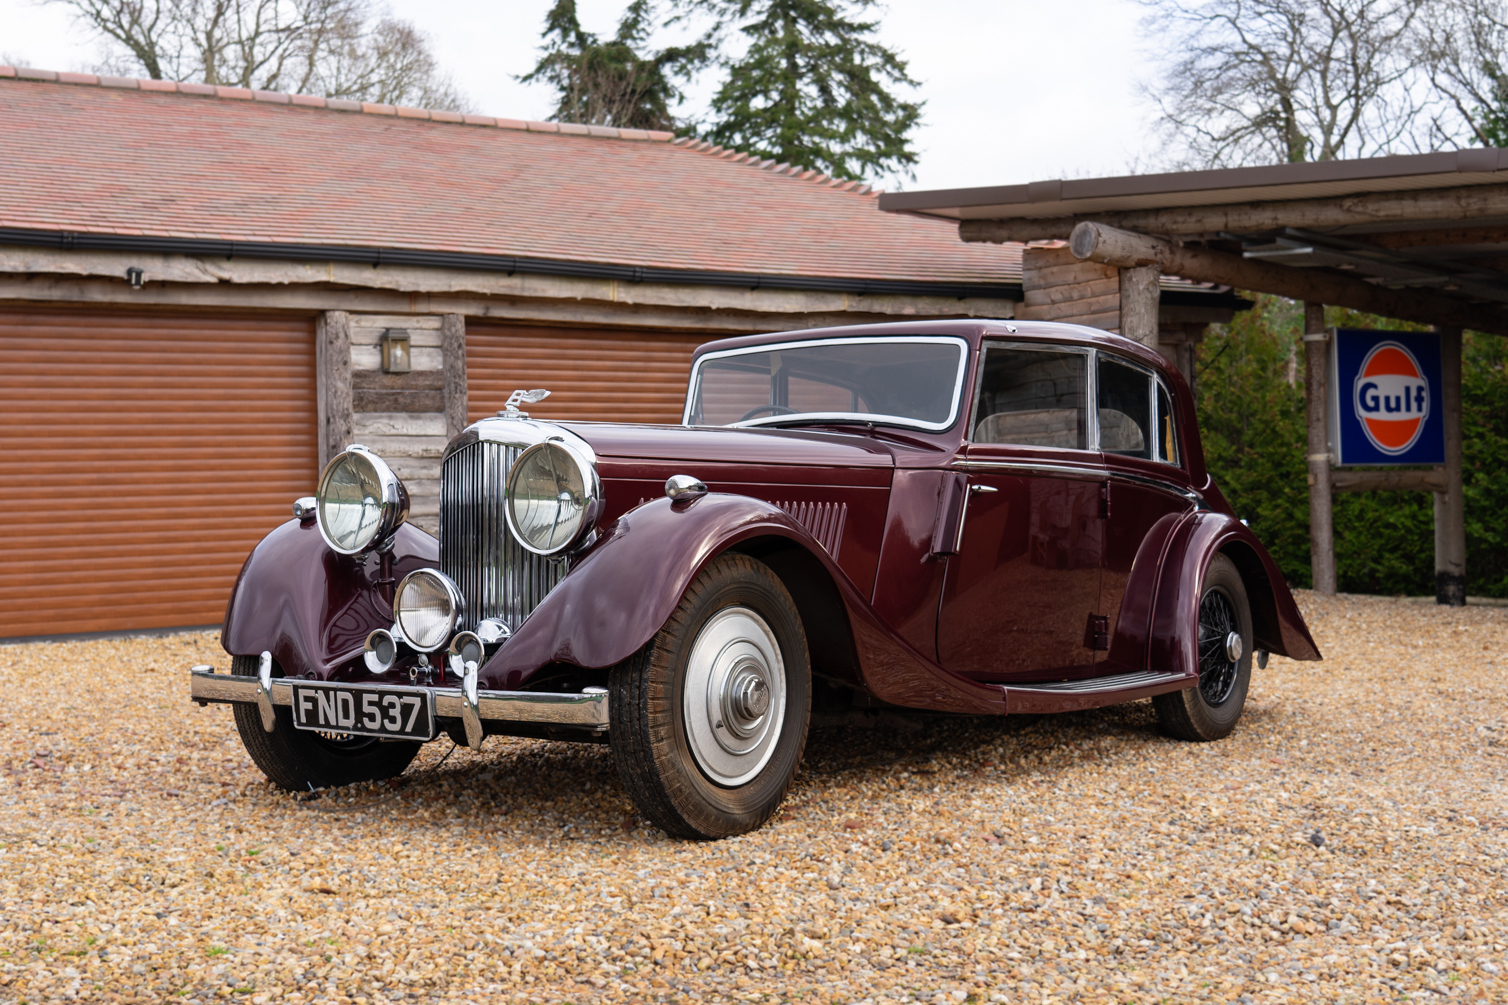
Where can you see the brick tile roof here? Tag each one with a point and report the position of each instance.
(146, 157)
(114, 155)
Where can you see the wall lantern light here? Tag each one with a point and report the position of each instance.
(133, 276)
(395, 352)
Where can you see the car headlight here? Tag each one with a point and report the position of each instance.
(360, 502)
(427, 607)
(554, 496)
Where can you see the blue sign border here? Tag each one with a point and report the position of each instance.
(1349, 348)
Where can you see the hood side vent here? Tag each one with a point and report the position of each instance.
(823, 520)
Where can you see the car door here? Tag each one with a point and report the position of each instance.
(1147, 492)
(1024, 582)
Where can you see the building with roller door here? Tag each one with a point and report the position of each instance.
(205, 292)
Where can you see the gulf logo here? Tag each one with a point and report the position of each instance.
(1391, 398)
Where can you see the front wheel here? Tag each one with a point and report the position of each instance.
(1209, 711)
(709, 719)
(300, 760)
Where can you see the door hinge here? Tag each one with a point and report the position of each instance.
(947, 532)
(1104, 500)
(1097, 633)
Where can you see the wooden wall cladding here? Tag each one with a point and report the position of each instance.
(419, 391)
(145, 455)
(592, 373)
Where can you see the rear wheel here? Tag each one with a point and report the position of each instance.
(300, 760)
(1209, 711)
(709, 719)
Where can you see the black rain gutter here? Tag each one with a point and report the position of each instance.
(375, 257)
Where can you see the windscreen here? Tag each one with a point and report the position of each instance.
(890, 381)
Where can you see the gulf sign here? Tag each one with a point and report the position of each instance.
(1385, 398)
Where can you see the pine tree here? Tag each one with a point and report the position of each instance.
(814, 88)
(614, 82)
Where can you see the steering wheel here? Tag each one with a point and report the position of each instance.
(772, 409)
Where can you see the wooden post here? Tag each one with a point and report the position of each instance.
(333, 393)
(453, 347)
(1450, 505)
(1141, 294)
(1316, 398)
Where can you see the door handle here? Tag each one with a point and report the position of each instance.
(982, 489)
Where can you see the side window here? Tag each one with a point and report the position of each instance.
(1125, 409)
(1167, 432)
(1032, 397)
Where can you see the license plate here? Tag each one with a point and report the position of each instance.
(364, 710)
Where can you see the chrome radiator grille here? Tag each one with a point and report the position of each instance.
(497, 576)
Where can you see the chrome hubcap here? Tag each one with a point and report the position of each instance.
(734, 700)
(1233, 647)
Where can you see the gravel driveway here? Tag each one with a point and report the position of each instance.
(1346, 844)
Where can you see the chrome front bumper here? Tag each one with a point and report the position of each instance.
(561, 709)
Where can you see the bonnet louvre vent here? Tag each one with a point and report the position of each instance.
(824, 520)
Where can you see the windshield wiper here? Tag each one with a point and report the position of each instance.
(796, 421)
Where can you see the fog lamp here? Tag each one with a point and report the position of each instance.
(427, 606)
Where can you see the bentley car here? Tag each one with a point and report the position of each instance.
(958, 518)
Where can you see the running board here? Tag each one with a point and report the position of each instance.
(1068, 695)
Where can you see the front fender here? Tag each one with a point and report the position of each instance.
(1277, 624)
(311, 607)
(623, 591)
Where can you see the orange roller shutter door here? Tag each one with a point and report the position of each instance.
(609, 375)
(145, 455)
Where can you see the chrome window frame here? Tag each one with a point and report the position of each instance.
(878, 419)
(1152, 382)
(1091, 393)
(1175, 462)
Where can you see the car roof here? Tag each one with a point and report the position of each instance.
(973, 331)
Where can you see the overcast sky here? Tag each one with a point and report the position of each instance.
(1015, 90)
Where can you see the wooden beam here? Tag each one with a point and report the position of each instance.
(1446, 237)
(1388, 480)
(823, 310)
(98, 276)
(1098, 242)
(1472, 202)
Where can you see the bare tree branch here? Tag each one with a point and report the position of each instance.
(333, 48)
(1465, 49)
(1263, 81)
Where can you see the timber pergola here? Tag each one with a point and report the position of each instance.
(1421, 238)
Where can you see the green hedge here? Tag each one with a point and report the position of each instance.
(1252, 421)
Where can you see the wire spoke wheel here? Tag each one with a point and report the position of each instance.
(1217, 668)
(1223, 646)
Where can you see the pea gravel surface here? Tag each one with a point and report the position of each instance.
(1346, 844)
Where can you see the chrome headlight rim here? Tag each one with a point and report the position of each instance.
(393, 505)
(452, 594)
(592, 502)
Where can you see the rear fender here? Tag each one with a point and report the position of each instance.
(1277, 625)
(311, 607)
(625, 589)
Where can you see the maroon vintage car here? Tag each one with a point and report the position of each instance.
(974, 518)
